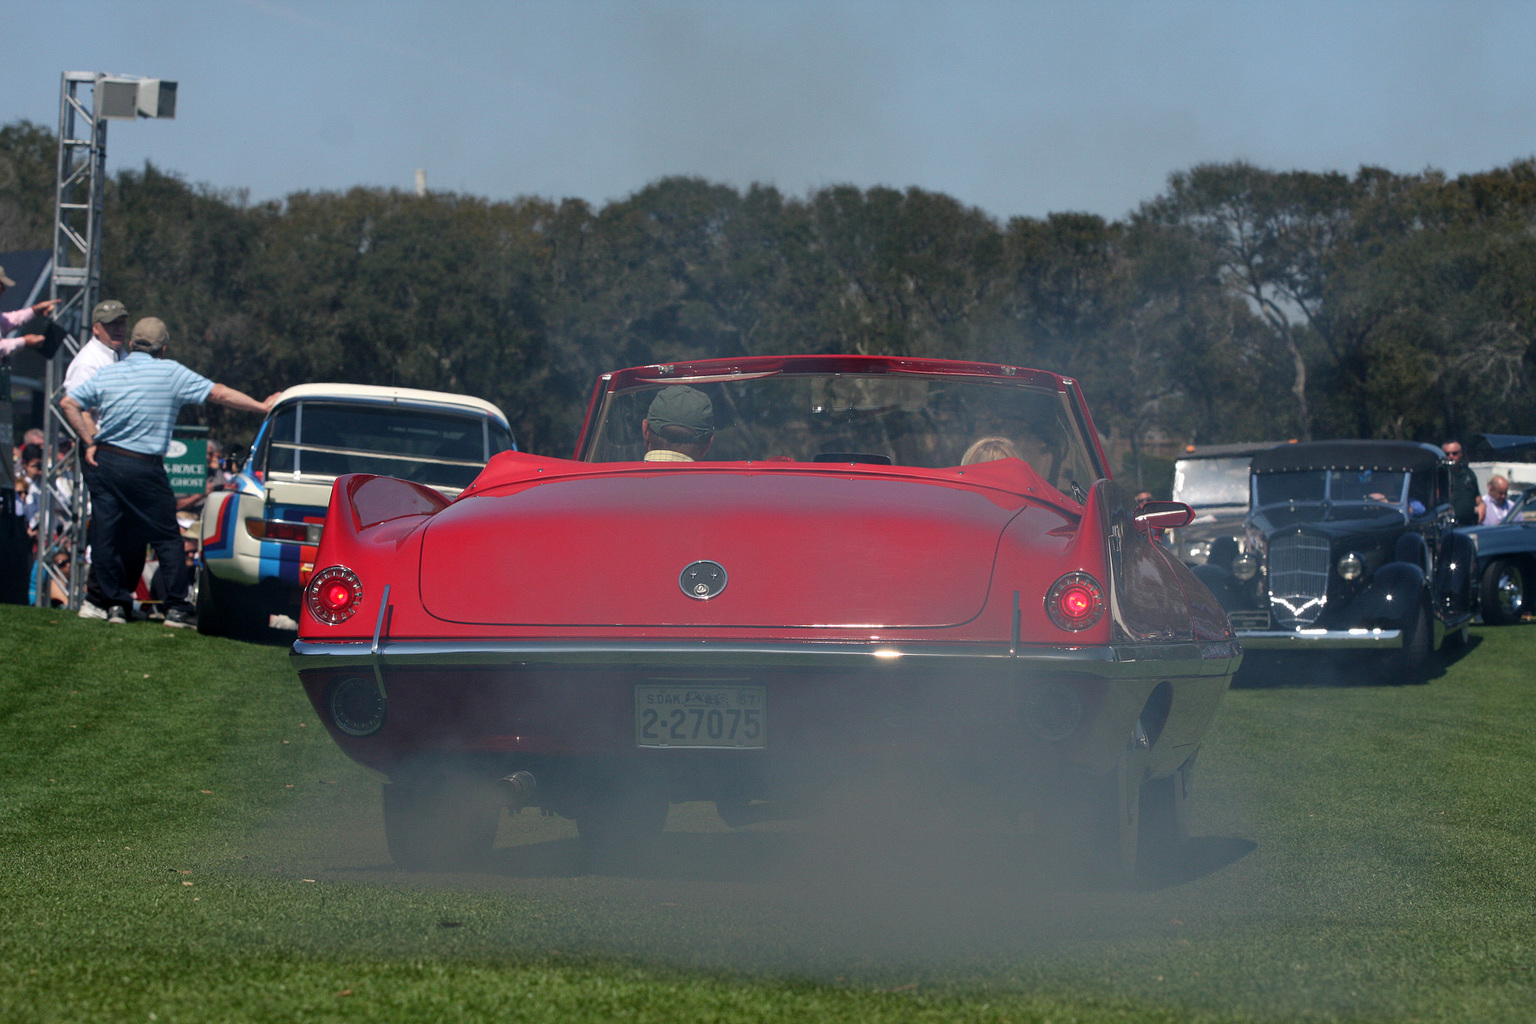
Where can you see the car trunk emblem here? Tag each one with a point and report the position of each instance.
(702, 580)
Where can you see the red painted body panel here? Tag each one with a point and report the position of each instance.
(802, 549)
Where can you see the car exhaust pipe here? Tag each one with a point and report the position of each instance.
(518, 788)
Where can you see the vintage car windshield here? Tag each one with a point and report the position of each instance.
(873, 418)
(428, 446)
(1337, 486)
(1211, 482)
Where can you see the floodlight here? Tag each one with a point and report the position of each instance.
(117, 98)
(157, 98)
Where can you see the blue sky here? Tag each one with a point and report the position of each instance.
(1021, 108)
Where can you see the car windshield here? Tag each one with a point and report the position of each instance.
(906, 420)
(1208, 482)
(1339, 486)
(428, 446)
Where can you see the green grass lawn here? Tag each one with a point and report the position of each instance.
(180, 841)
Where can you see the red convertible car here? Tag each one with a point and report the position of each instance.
(760, 578)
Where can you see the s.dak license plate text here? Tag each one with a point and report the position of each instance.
(701, 714)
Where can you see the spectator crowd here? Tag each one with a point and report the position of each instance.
(122, 397)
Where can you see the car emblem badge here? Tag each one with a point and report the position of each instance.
(702, 580)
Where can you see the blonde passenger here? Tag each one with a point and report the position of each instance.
(988, 449)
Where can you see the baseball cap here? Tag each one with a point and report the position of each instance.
(149, 335)
(682, 406)
(107, 311)
(6, 280)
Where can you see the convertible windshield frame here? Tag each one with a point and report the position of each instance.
(922, 416)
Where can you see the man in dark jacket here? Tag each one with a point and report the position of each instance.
(1466, 496)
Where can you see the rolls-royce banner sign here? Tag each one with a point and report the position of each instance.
(186, 463)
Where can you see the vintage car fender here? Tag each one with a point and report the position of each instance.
(1394, 596)
(1220, 582)
(1456, 587)
(234, 555)
(1508, 542)
(228, 549)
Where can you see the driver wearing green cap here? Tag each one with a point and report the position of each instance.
(680, 425)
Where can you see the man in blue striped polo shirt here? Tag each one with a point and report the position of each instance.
(135, 404)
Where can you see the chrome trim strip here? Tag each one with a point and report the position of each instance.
(1175, 658)
(378, 633)
(378, 627)
(1330, 639)
(330, 449)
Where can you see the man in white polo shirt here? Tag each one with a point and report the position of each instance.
(135, 404)
(109, 329)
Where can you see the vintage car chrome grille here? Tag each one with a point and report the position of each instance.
(1249, 619)
(1298, 579)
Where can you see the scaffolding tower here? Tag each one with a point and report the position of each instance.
(87, 100)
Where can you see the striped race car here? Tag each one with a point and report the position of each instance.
(258, 540)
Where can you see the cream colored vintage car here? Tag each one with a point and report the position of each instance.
(258, 541)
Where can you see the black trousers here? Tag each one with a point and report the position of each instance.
(132, 505)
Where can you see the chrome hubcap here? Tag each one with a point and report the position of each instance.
(1511, 593)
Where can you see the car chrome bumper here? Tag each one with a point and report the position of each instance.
(1129, 660)
(1328, 639)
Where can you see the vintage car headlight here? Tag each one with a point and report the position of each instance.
(1245, 567)
(1076, 601)
(333, 594)
(1351, 567)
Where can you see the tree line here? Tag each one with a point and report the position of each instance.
(1239, 304)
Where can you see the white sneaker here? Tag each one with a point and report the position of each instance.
(91, 611)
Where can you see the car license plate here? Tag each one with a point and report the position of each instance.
(701, 713)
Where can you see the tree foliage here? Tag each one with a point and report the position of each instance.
(1239, 304)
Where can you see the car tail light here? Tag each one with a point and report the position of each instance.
(333, 594)
(277, 529)
(1076, 601)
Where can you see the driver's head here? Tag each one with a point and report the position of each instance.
(1452, 450)
(681, 419)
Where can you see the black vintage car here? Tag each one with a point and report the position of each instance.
(1350, 547)
(1506, 552)
(1506, 561)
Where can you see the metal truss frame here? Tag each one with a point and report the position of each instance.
(76, 282)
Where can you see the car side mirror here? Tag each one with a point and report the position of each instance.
(1163, 515)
